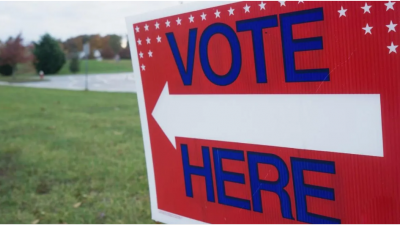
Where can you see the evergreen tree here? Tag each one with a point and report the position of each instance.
(115, 43)
(49, 56)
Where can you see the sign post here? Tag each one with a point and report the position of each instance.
(270, 112)
(86, 50)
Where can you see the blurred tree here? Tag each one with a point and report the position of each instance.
(107, 53)
(12, 52)
(115, 42)
(49, 56)
(95, 44)
(74, 63)
(105, 41)
(74, 44)
(85, 38)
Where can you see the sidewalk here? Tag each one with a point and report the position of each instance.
(119, 82)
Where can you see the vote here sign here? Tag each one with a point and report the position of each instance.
(270, 112)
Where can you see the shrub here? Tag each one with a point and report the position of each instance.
(49, 56)
(6, 70)
(74, 63)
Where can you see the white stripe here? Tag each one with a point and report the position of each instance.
(342, 123)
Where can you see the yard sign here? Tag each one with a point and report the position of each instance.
(270, 112)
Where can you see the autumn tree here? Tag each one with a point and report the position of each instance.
(108, 44)
(12, 52)
(107, 53)
(95, 44)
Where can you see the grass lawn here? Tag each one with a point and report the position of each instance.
(105, 66)
(71, 157)
(94, 66)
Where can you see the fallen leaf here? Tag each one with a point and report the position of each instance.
(77, 204)
(35, 221)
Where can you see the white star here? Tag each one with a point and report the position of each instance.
(158, 38)
(246, 9)
(141, 54)
(392, 48)
(203, 16)
(389, 5)
(342, 12)
(143, 67)
(178, 21)
(231, 11)
(262, 5)
(146, 27)
(391, 27)
(148, 40)
(191, 19)
(150, 53)
(300, 2)
(367, 29)
(157, 25)
(167, 23)
(366, 8)
(137, 29)
(217, 14)
(139, 41)
(282, 3)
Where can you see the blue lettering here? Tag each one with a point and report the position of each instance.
(291, 46)
(256, 26)
(187, 74)
(221, 176)
(301, 190)
(277, 187)
(204, 171)
(233, 73)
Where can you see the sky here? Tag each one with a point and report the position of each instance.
(68, 19)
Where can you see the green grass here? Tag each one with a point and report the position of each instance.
(105, 66)
(94, 67)
(71, 157)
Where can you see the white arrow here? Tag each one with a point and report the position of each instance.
(344, 123)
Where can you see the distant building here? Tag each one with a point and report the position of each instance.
(96, 55)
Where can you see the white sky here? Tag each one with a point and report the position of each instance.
(67, 19)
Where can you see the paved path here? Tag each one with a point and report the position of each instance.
(119, 82)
